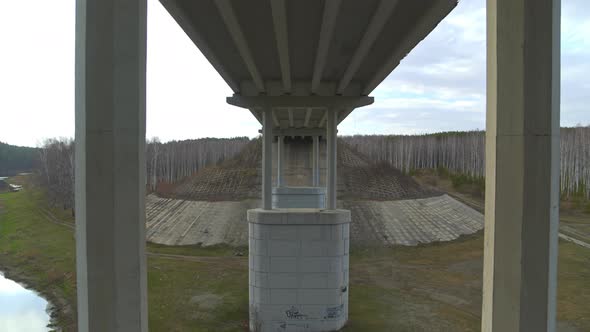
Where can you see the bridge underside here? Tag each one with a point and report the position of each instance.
(300, 67)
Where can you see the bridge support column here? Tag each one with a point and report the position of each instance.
(331, 132)
(522, 165)
(280, 160)
(267, 138)
(316, 161)
(110, 165)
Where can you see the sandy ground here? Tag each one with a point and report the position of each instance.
(403, 222)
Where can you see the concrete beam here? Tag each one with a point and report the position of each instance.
(344, 114)
(298, 132)
(316, 161)
(279, 18)
(110, 165)
(331, 8)
(299, 88)
(307, 116)
(428, 21)
(280, 160)
(233, 26)
(522, 165)
(256, 114)
(376, 24)
(299, 101)
(179, 16)
(290, 112)
(274, 119)
(331, 157)
(323, 119)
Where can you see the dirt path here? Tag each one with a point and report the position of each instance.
(53, 219)
(241, 261)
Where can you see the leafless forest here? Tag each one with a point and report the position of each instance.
(464, 153)
(56, 168)
(458, 152)
(165, 162)
(172, 161)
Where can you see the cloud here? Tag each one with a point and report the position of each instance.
(445, 76)
(185, 95)
(21, 309)
(440, 85)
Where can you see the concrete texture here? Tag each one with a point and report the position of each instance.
(331, 158)
(299, 197)
(411, 222)
(267, 159)
(522, 165)
(180, 222)
(265, 49)
(299, 163)
(374, 223)
(298, 269)
(110, 165)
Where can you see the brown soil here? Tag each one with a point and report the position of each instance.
(235, 179)
(240, 178)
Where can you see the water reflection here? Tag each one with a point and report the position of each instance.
(21, 309)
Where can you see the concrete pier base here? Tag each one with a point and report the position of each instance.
(298, 269)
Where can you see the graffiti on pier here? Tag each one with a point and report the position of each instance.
(334, 312)
(293, 313)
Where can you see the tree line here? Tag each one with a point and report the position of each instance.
(165, 162)
(172, 161)
(56, 171)
(458, 152)
(16, 159)
(464, 153)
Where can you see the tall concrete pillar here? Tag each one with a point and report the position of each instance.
(331, 132)
(280, 160)
(110, 165)
(267, 159)
(522, 165)
(316, 161)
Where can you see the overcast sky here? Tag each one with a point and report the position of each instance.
(440, 86)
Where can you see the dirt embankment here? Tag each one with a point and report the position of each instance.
(388, 207)
(240, 178)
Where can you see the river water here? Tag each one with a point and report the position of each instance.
(21, 309)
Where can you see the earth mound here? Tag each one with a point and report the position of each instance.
(240, 177)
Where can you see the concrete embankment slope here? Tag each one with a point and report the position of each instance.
(388, 207)
(184, 222)
(402, 222)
